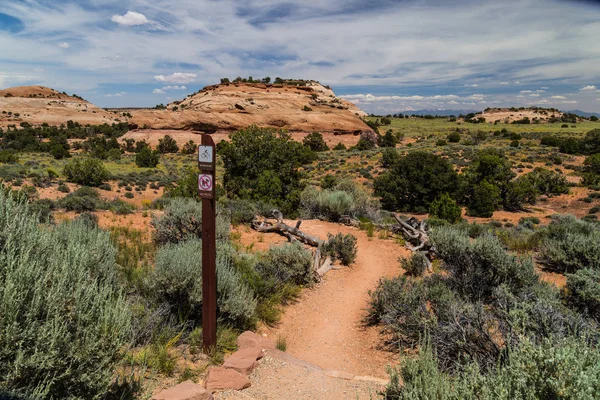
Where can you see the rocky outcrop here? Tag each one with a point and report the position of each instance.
(221, 378)
(228, 107)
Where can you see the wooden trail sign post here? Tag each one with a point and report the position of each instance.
(206, 191)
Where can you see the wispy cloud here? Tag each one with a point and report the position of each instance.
(158, 91)
(64, 45)
(588, 88)
(130, 18)
(177, 77)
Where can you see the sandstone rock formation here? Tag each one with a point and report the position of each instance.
(228, 107)
(38, 104)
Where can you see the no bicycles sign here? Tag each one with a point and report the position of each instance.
(205, 186)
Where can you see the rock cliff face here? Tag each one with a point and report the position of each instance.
(38, 104)
(228, 107)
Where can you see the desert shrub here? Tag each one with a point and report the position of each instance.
(416, 264)
(444, 207)
(389, 157)
(315, 142)
(147, 158)
(548, 182)
(364, 144)
(328, 181)
(339, 146)
(81, 200)
(243, 210)
(478, 266)
(60, 303)
(177, 280)
(484, 200)
(519, 192)
(86, 171)
(552, 369)
(189, 148)
(182, 220)
(327, 204)
(263, 165)
(389, 139)
(583, 291)
(8, 157)
(341, 247)
(43, 209)
(286, 264)
(591, 170)
(167, 145)
(121, 207)
(453, 137)
(345, 198)
(441, 142)
(570, 244)
(63, 188)
(113, 154)
(414, 181)
(590, 144)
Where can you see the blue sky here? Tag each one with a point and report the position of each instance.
(386, 56)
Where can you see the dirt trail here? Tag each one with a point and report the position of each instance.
(324, 327)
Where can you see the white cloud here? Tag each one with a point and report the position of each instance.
(174, 87)
(588, 87)
(158, 91)
(64, 45)
(131, 18)
(504, 83)
(570, 102)
(526, 91)
(517, 82)
(558, 97)
(473, 85)
(534, 95)
(119, 94)
(177, 77)
(543, 101)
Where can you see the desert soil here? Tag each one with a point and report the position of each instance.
(324, 326)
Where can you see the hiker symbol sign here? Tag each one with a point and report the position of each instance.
(205, 186)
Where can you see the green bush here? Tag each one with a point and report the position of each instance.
(189, 148)
(345, 198)
(444, 207)
(8, 157)
(570, 244)
(453, 137)
(339, 146)
(86, 171)
(63, 318)
(553, 369)
(416, 264)
(315, 142)
(364, 144)
(484, 200)
(583, 291)
(167, 145)
(477, 266)
(341, 247)
(414, 181)
(177, 280)
(288, 263)
(263, 165)
(548, 182)
(83, 199)
(147, 158)
(181, 221)
(591, 170)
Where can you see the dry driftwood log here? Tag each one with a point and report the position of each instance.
(293, 233)
(416, 234)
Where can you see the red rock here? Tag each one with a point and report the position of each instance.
(244, 360)
(221, 378)
(251, 339)
(187, 390)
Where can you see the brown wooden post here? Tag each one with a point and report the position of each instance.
(206, 190)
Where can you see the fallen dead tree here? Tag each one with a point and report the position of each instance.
(294, 234)
(416, 234)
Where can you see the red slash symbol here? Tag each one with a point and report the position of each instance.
(205, 182)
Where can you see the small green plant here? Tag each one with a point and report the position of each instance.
(341, 247)
(281, 344)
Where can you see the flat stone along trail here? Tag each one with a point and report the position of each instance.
(325, 326)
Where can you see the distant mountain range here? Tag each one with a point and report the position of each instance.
(446, 113)
(584, 113)
(440, 113)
